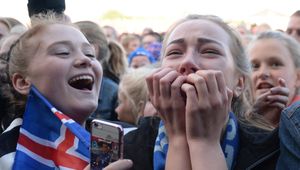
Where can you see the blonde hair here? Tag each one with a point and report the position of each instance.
(241, 61)
(25, 47)
(241, 105)
(287, 41)
(133, 86)
(291, 45)
(20, 52)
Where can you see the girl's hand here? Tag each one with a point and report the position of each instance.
(165, 93)
(207, 106)
(277, 97)
(166, 96)
(271, 103)
(122, 164)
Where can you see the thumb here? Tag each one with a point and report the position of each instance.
(122, 164)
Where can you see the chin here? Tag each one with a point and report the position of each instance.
(81, 112)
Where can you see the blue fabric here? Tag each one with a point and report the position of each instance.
(49, 139)
(289, 135)
(229, 144)
(108, 101)
(155, 48)
(141, 52)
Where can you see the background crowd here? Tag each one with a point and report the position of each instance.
(201, 95)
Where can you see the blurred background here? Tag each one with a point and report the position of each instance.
(134, 15)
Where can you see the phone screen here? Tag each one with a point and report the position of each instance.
(106, 143)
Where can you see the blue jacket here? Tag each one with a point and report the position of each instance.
(289, 134)
(108, 100)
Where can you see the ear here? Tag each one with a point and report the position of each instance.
(298, 78)
(237, 91)
(20, 84)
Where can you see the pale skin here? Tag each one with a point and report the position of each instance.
(192, 93)
(64, 54)
(122, 164)
(69, 54)
(272, 102)
(275, 78)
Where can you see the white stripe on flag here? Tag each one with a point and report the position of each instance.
(45, 142)
(36, 157)
(72, 151)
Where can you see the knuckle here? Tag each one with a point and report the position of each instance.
(175, 87)
(163, 81)
(190, 89)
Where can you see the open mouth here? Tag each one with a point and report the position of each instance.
(264, 86)
(82, 82)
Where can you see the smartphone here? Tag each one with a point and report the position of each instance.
(106, 143)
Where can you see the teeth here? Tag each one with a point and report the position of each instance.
(82, 77)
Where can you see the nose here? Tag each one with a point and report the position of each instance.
(188, 65)
(83, 61)
(264, 72)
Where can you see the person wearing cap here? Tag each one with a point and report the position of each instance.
(36, 9)
(140, 57)
(38, 6)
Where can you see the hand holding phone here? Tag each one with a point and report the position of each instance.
(106, 143)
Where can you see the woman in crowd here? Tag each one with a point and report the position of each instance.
(196, 92)
(51, 51)
(275, 59)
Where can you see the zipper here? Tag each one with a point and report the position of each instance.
(262, 159)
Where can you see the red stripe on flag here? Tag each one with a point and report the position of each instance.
(58, 156)
(61, 116)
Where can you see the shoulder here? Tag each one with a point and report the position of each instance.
(108, 85)
(289, 130)
(107, 82)
(145, 133)
(257, 147)
(254, 135)
(292, 112)
(289, 127)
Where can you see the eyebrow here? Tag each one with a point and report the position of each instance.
(199, 40)
(206, 41)
(69, 43)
